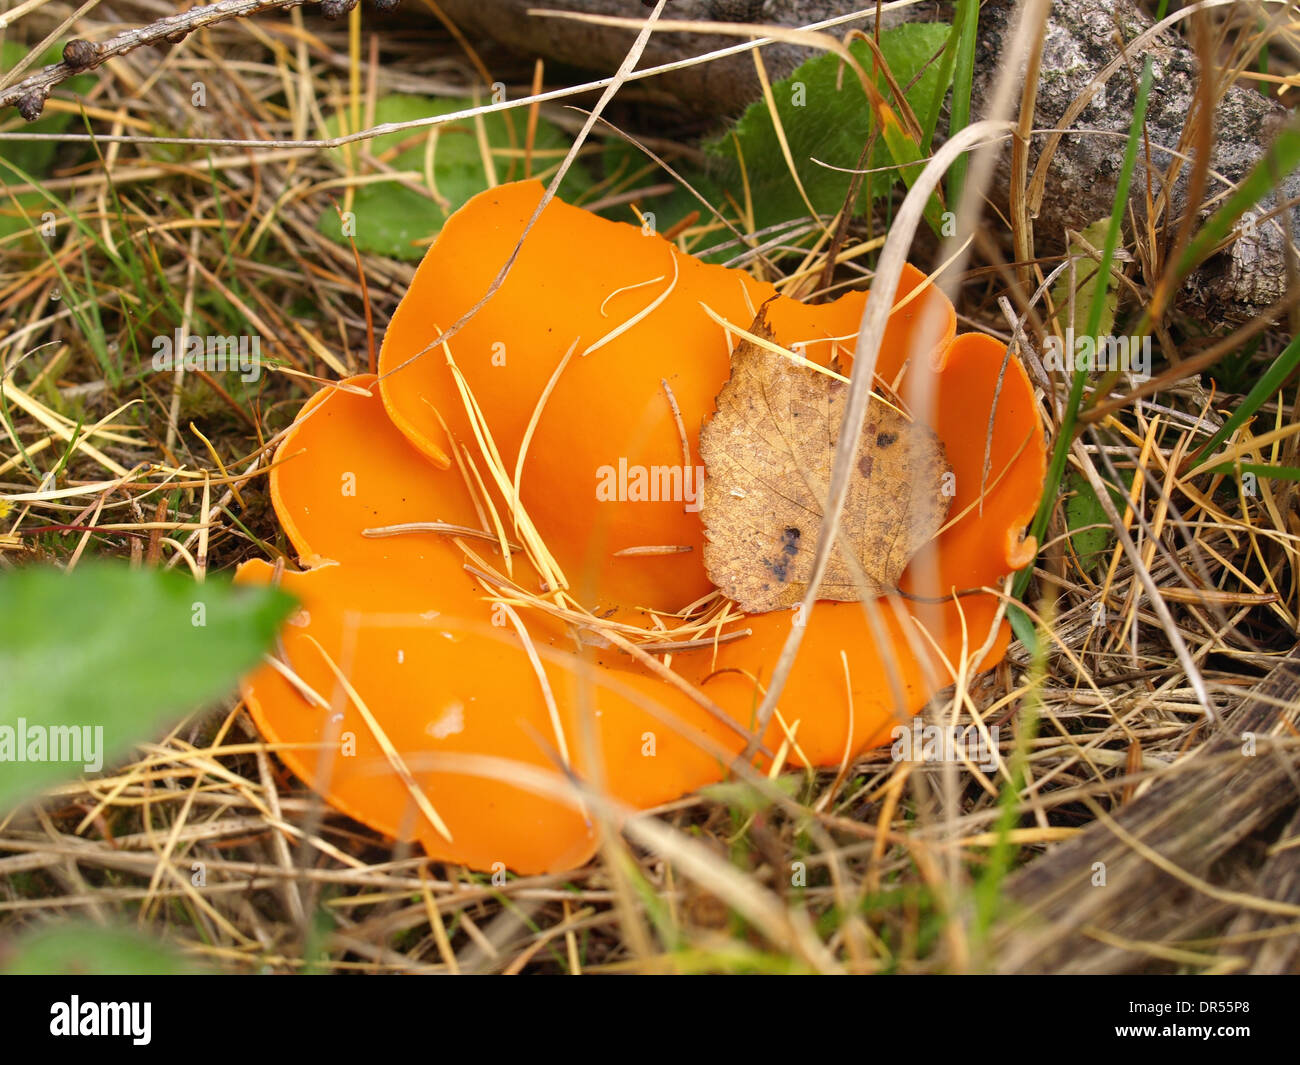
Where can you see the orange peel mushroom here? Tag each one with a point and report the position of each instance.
(482, 627)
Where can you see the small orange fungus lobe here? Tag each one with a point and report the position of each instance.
(505, 591)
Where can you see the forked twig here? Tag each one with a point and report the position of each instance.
(79, 55)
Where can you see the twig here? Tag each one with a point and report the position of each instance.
(30, 94)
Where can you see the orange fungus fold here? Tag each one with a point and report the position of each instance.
(504, 611)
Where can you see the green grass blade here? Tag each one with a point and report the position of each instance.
(1065, 437)
(1260, 469)
(965, 26)
(1283, 366)
(1282, 157)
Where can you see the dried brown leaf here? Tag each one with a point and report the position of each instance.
(767, 453)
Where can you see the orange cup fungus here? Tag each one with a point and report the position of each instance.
(497, 597)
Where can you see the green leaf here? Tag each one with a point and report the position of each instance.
(830, 124)
(744, 796)
(1023, 627)
(1085, 284)
(904, 150)
(397, 218)
(109, 655)
(626, 167)
(79, 949)
(1084, 512)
